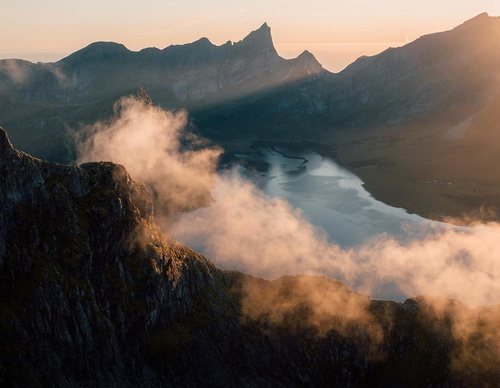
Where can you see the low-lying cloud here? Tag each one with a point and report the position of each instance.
(147, 140)
(239, 227)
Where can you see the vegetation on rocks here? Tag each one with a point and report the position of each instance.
(93, 294)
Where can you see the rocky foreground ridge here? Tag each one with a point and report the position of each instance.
(93, 294)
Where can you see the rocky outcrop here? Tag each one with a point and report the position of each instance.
(85, 274)
(93, 294)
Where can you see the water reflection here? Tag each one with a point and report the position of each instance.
(330, 195)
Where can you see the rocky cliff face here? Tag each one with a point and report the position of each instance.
(92, 294)
(85, 274)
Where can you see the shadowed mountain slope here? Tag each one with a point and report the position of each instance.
(93, 294)
(41, 100)
(403, 120)
(426, 120)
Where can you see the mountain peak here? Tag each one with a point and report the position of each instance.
(306, 55)
(263, 32)
(481, 16)
(202, 41)
(308, 62)
(259, 41)
(6, 148)
(477, 21)
(101, 47)
(97, 50)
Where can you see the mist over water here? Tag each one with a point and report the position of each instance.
(331, 196)
(261, 233)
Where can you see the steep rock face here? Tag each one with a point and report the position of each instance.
(92, 294)
(85, 274)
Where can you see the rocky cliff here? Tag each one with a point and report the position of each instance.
(85, 274)
(93, 294)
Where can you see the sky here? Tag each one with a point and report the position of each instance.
(336, 32)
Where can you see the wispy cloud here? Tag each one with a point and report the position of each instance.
(246, 230)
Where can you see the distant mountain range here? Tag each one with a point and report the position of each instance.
(93, 294)
(418, 123)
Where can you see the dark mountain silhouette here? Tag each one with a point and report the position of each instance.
(93, 294)
(451, 71)
(425, 113)
(421, 113)
(187, 73)
(40, 98)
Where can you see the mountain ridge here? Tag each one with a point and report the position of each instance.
(406, 99)
(93, 294)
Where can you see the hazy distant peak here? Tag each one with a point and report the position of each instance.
(262, 33)
(306, 55)
(97, 50)
(104, 46)
(481, 16)
(258, 42)
(307, 58)
(203, 41)
(307, 64)
(200, 43)
(477, 21)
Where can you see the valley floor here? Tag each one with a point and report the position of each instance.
(439, 184)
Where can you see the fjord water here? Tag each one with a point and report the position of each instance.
(331, 196)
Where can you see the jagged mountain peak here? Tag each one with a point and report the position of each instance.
(479, 18)
(6, 148)
(307, 64)
(478, 23)
(307, 56)
(203, 41)
(264, 29)
(262, 35)
(4, 140)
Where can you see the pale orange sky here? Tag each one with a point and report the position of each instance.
(336, 32)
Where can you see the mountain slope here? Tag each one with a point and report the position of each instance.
(417, 123)
(448, 73)
(92, 294)
(39, 101)
(85, 274)
(425, 129)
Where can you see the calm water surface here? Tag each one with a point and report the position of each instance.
(330, 195)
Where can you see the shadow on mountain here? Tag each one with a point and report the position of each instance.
(93, 294)
(426, 109)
